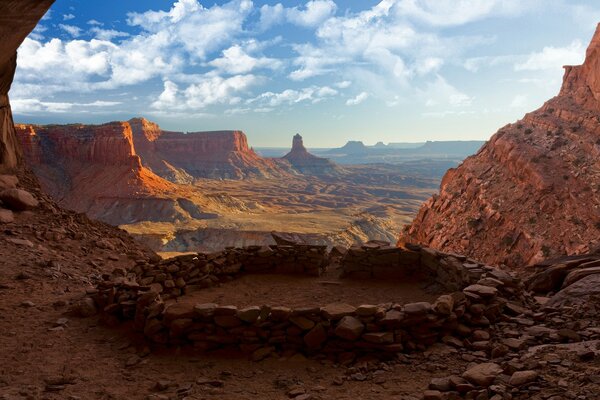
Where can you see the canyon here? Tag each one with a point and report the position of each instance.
(531, 192)
(204, 191)
(88, 312)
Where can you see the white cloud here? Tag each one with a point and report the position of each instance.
(271, 15)
(70, 29)
(553, 58)
(68, 17)
(27, 106)
(358, 99)
(94, 22)
(312, 94)
(236, 60)
(440, 93)
(459, 12)
(343, 84)
(379, 39)
(311, 15)
(209, 90)
(190, 26)
(107, 34)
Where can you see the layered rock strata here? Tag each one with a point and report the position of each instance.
(533, 191)
(95, 169)
(179, 156)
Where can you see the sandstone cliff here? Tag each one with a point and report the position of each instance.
(95, 169)
(180, 157)
(533, 190)
(309, 164)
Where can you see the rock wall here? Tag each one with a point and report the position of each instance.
(219, 154)
(95, 169)
(339, 329)
(18, 18)
(533, 191)
(381, 261)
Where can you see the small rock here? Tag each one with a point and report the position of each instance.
(432, 395)
(27, 304)
(6, 216)
(520, 378)
(441, 384)
(61, 322)
(20, 242)
(133, 360)
(262, 353)
(84, 308)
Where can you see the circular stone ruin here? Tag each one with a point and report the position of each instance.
(301, 298)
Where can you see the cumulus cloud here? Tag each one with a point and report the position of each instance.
(311, 15)
(209, 90)
(194, 28)
(358, 99)
(235, 60)
(312, 94)
(107, 34)
(379, 38)
(70, 29)
(553, 58)
(68, 17)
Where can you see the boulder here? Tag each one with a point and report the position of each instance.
(18, 199)
(482, 291)
(577, 274)
(336, 311)
(482, 374)
(316, 337)
(8, 182)
(349, 328)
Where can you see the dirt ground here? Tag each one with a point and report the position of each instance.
(47, 353)
(306, 291)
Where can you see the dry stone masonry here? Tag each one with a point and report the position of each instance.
(340, 330)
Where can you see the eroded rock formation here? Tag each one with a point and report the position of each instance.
(17, 19)
(95, 169)
(306, 163)
(533, 190)
(179, 156)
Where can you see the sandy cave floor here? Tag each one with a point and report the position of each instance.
(307, 291)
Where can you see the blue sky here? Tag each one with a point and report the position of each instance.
(391, 70)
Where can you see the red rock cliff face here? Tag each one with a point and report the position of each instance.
(17, 20)
(533, 191)
(94, 169)
(218, 154)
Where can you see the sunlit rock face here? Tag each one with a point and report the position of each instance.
(309, 164)
(17, 20)
(178, 156)
(95, 169)
(533, 191)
